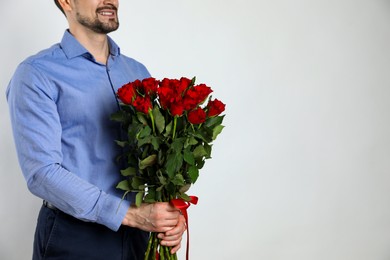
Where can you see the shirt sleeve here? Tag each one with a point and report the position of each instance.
(37, 133)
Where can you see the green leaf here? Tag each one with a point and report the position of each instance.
(136, 183)
(205, 134)
(146, 131)
(143, 141)
(177, 145)
(130, 171)
(158, 119)
(173, 164)
(217, 130)
(207, 148)
(168, 129)
(162, 180)
(185, 197)
(150, 196)
(121, 143)
(156, 143)
(148, 161)
(133, 130)
(141, 118)
(200, 163)
(158, 195)
(199, 152)
(132, 160)
(170, 188)
(160, 157)
(193, 81)
(193, 172)
(189, 157)
(190, 141)
(119, 116)
(145, 152)
(178, 180)
(185, 188)
(138, 198)
(181, 122)
(213, 121)
(127, 109)
(123, 185)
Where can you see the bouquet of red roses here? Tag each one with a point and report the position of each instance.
(170, 125)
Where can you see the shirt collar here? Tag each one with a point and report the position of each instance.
(72, 48)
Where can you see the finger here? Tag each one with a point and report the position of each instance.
(168, 224)
(172, 216)
(175, 234)
(172, 243)
(175, 248)
(166, 238)
(178, 229)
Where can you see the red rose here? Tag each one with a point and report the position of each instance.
(165, 83)
(195, 96)
(170, 95)
(215, 108)
(137, 84)
(127, 93)
(142, 104)
(177, 89)
(180, 86)
(185, 83)
(150, 86)
(190, 99)
(176, 109)
(197, 116)
(189, 104)
(164, 93)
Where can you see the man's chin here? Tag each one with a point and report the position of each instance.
(107, 28)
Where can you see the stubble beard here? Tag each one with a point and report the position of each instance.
(96, 25)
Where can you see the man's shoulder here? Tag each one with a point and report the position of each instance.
(38, 67)
(51, 53)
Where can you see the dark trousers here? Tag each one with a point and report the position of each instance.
(62, 237)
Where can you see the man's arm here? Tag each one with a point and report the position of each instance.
(37, 132)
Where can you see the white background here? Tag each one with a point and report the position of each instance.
(302, 169)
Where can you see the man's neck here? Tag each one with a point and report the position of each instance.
(95, 43)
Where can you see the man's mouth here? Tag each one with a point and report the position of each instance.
(107, 11)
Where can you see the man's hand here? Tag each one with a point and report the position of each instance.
(159, 217)
(155, 217)
(174, 236)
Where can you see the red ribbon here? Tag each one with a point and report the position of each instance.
(183, 205)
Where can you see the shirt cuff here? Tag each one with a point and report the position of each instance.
(113, 211)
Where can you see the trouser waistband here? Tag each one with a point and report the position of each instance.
(49, 205)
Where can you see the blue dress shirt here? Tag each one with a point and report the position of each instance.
(60, 103)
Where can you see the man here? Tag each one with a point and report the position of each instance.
(60, 101)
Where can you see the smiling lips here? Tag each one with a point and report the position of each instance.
(110, 12)
(107, 13)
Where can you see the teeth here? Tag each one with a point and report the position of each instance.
(107, 13)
